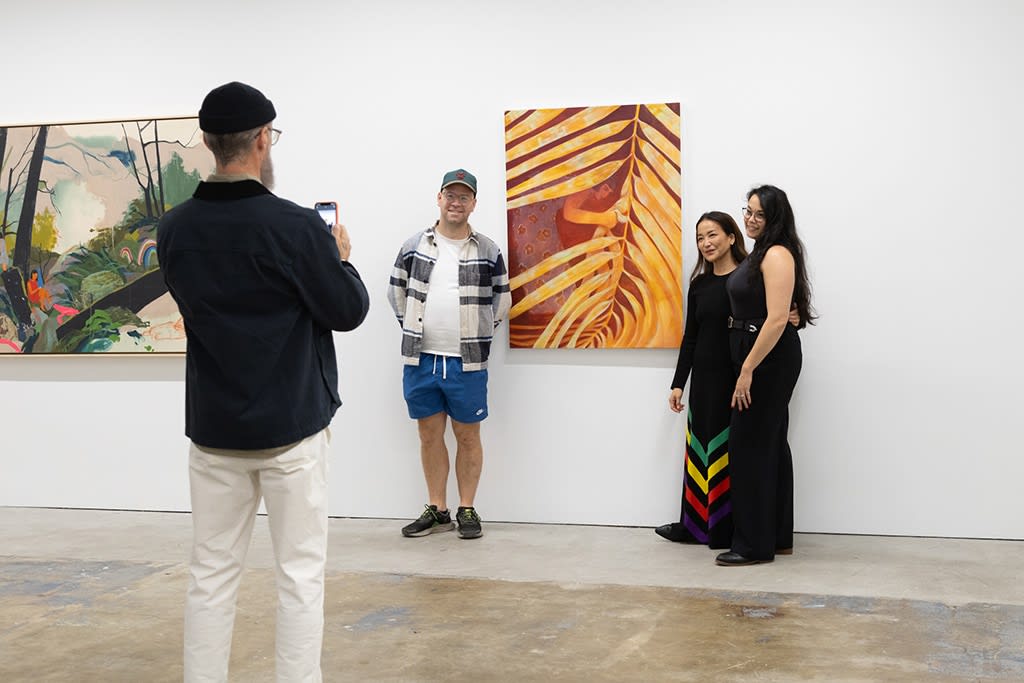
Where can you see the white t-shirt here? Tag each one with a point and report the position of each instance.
(441, 322)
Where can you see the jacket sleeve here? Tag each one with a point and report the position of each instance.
(330, 288)
(501, 301)
(398, 284)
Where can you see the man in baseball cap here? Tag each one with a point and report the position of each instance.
(446, 340)
(260, 285)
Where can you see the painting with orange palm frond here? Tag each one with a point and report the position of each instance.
(594, 226)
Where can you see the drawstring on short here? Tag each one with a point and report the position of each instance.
(444, 367)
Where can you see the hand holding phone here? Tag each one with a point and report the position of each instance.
(341, 239)
(329, 212)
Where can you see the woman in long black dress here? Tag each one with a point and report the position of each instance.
(704, 356)
(767, 357)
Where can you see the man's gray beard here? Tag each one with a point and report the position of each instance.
(267, 173)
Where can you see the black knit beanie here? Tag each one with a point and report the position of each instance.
(235, 107)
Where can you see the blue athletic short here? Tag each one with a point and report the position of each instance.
(438, 384)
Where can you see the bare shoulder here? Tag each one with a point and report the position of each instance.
(777, 256)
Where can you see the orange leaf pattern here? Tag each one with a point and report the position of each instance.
(594, 226)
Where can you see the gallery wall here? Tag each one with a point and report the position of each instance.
(893, 126)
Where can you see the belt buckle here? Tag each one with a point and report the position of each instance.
(751, 328)
(730, 322)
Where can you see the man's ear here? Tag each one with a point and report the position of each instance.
(262, 141)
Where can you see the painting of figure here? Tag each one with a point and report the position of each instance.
(79, 206)
(594, 210)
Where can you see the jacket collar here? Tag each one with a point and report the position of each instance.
(243, 189)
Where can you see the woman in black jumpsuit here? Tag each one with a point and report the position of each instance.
(767, 357)
(704, 357)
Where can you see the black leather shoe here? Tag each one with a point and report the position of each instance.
(731, 559)
(676, 533)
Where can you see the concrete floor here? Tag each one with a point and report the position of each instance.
(97, 596)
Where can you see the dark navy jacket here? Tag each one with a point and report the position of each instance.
(260, 286)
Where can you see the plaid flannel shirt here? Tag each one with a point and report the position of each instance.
(484, 295)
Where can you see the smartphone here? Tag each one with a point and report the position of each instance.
(329, 212)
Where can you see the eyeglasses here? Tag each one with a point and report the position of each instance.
(750, 215)
(275, 135)
(461, 198)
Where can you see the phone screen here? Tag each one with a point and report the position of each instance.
(329, 212)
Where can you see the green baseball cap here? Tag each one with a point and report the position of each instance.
(459, 176)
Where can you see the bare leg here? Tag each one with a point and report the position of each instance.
(434, 455)
(469, 460)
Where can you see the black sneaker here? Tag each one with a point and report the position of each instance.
(469, 523)
(430, 522)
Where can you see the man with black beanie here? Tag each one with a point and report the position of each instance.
(261, 284)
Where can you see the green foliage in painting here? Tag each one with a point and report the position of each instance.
(100, 331)
(44, 240)
(8, 328)
(44, 230)
(7, 317)
(97, 285)
(82, 264)
(178, 185)
(119, 245)
(101, 242)
(135, 218)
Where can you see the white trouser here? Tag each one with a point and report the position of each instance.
(226, 493)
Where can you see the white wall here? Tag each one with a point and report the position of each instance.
(894, 127)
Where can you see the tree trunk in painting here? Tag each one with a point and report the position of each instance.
(7, 201)
(161, 202)
(135, 171)
(23, 242)
(3, 148)
(134, 296)
(15, 286)
(151, 199)
(10, 177)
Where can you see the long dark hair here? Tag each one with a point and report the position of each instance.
(780, 228)
(729, 227)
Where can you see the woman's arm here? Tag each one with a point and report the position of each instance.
(779, 272)
(686, 348)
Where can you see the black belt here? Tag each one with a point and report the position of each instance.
(747, 325)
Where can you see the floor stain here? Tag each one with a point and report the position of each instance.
(387, 617)
(122, 621)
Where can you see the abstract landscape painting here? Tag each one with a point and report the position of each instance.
(79, 206)
(594, 226)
